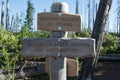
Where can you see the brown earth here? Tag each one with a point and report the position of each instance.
(107, 70)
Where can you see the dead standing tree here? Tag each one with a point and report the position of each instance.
(97, 34)
(2, 15)
(7, 14)
(100, 22)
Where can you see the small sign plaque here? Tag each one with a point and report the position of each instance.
(59, 22)
(72, 67)
(65, 47)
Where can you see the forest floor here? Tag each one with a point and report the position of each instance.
(107, 70)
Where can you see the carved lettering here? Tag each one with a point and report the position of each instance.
(70, 19)
(48, 18)
(51, 46)
(51, 21)
(61, 44)
(80, 44)
(54, 18)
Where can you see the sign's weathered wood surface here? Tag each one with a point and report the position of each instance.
(64, 47)
(58, 70)
(59, 22)
(72, 67)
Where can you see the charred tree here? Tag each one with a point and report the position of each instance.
(98, 33)
(7, 14)
(2, 15)
(89, 14)
(100, 22)
(77, 7)
(118, 17)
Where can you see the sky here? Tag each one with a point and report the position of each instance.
(18, 6)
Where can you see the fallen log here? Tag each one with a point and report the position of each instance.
(33, 68)
(31, 71)
(110, 57)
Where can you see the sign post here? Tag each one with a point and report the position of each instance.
(58, 65)
(58, 47)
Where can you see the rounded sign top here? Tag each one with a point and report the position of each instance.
(59, 7)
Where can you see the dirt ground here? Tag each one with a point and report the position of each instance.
(107, 70)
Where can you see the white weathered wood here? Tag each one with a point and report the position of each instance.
(64, 47)
(58, 68)
(61, 7)
(58, 64)
(59, 22)
(2, 77)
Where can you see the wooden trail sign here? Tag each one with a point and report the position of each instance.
(59, 22)
(64, 47)
(58, 48)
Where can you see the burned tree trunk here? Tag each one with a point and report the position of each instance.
(7, 14)
(100, 22)
(2, 15)
(97, 34)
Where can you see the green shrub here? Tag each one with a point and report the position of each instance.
(110, 44)
(84, 33)
(8, 63)
(8, 40)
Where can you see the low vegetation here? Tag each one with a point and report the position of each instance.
(11, 46)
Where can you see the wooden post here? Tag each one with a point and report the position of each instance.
(58, 64)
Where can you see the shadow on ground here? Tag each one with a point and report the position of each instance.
(107, 70)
